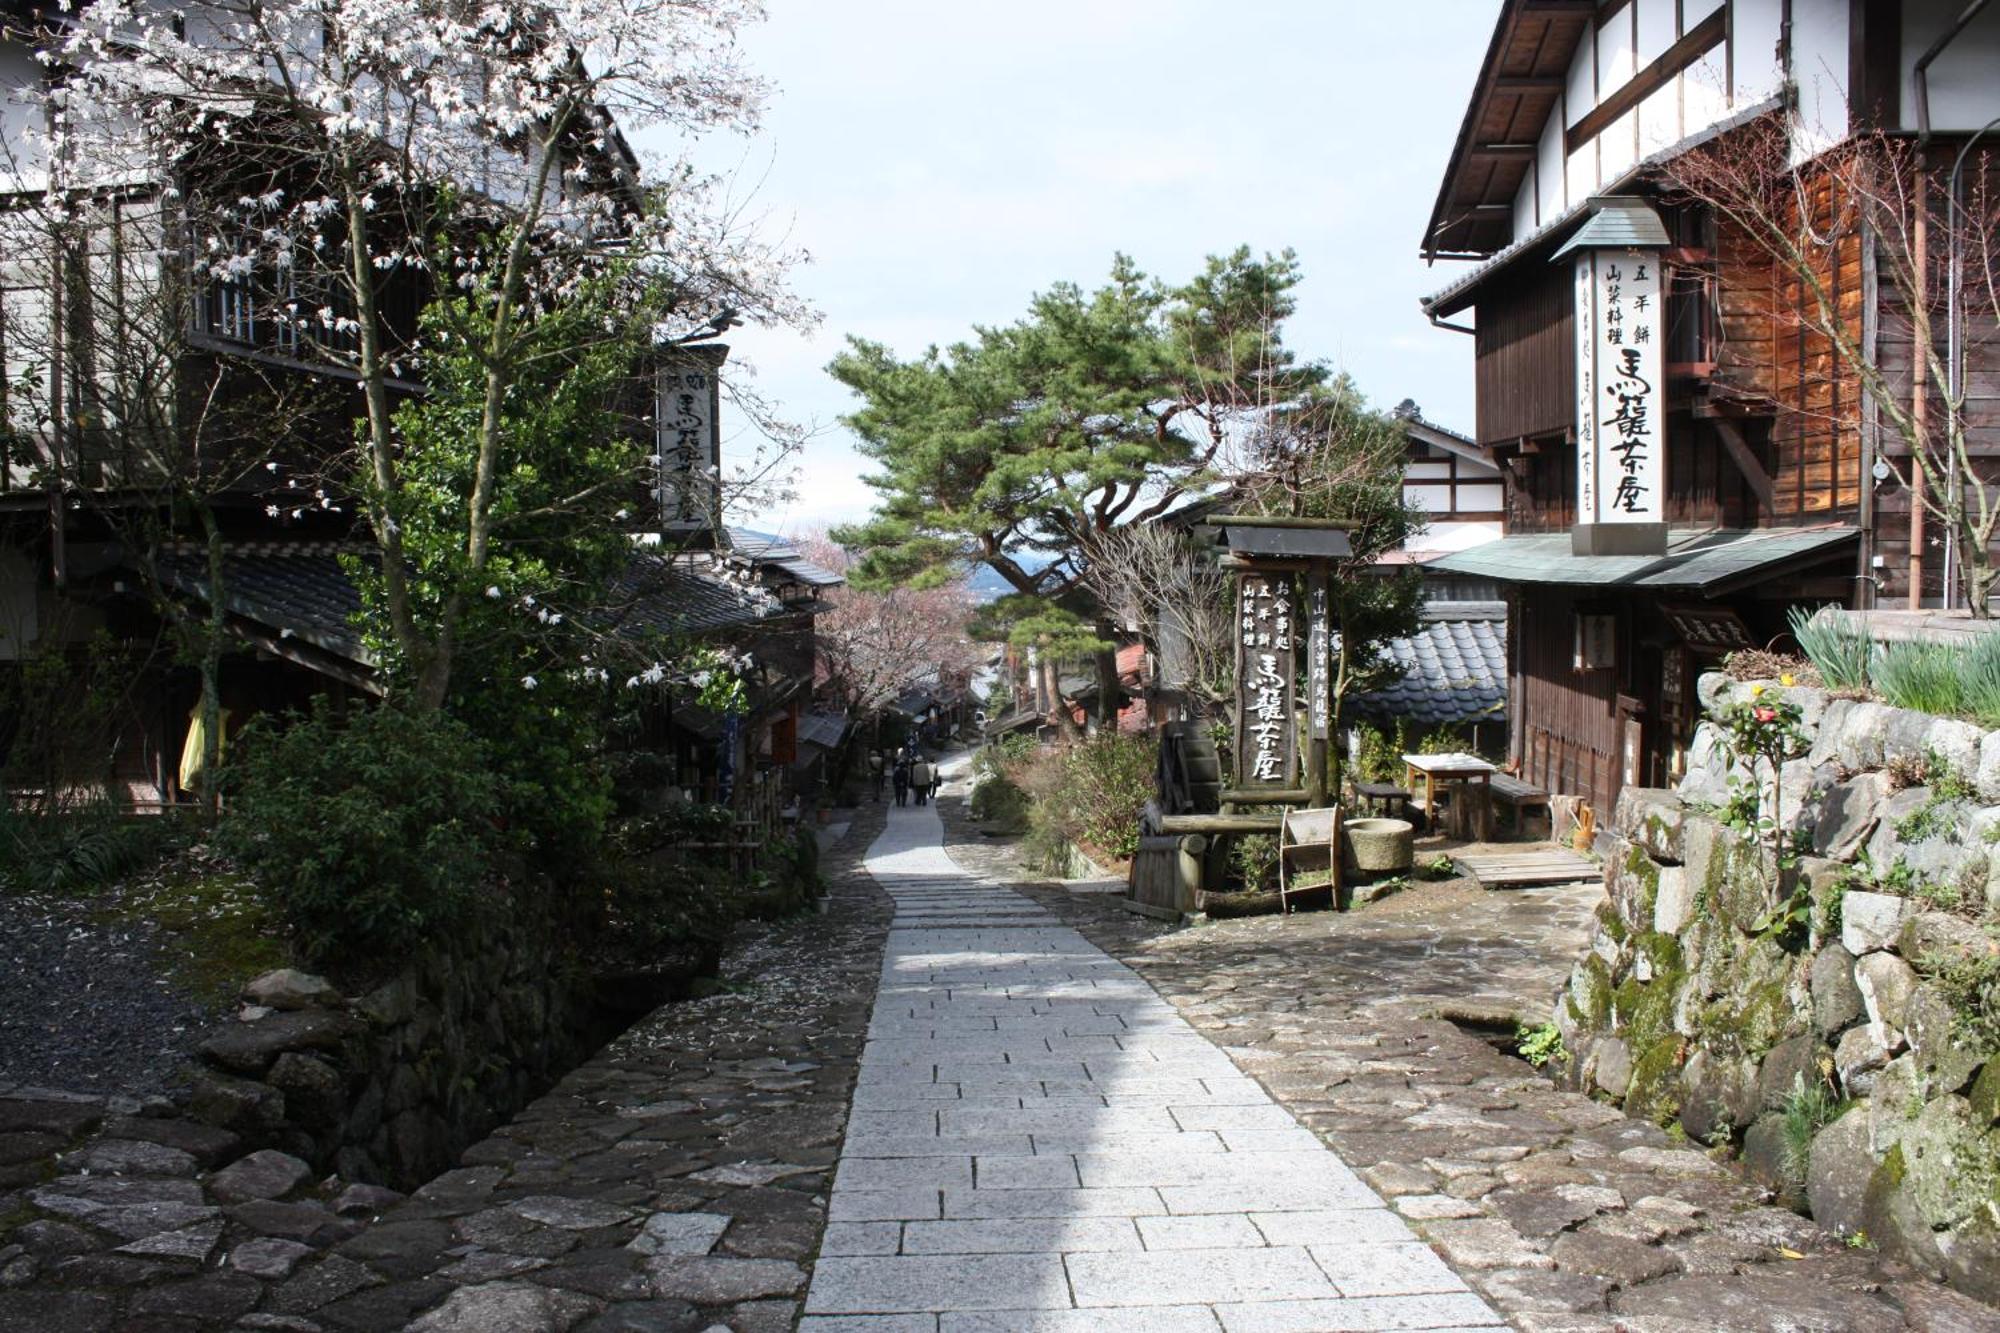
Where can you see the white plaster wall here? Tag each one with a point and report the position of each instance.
(1755, 67)
(1965, 80)
(1549, 167)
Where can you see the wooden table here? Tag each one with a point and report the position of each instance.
(1466, 770)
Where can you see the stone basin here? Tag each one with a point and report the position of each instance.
(1378, 846)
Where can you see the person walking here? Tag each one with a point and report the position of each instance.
(921, 773)
(878, 771)
(902, 781)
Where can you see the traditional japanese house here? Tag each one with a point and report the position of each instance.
(109, 332)
(1683, 459)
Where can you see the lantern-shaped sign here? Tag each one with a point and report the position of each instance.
(1620, 380)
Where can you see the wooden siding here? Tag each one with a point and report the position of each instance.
(1567, 736)
(1816, 438)
(1524, 356)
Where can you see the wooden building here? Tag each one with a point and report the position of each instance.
(1649, 532)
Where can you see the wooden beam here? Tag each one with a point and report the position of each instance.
(1503, 152)
(1746, 463)
(1690, 48)
(1527, 83)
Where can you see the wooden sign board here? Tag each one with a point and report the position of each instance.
(1266, 732)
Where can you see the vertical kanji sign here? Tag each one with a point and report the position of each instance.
(689, 442)
(1266, 735)
(1620, 437)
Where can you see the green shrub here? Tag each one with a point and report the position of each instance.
(1105, 782)
(79, 850)
(371, 832)
(999, 800)
(1925, 677)
(1541, 1045)
(1254, 857)
(1808, 1109)
(1839, 651)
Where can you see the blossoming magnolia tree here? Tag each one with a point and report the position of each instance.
(877, 643)
(328, 158)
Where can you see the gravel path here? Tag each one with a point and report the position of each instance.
(84, 1004)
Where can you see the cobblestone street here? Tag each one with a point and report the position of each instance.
(1566, 1215)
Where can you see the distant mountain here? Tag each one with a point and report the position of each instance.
(986, 585)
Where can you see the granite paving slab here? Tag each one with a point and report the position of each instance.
(1040, 1142)
(1381, 1032)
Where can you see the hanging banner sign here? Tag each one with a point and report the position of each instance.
(1620, 394)
(689, 442)
(1266, 739)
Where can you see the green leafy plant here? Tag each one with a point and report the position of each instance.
(1926, 677)
(1254, 857)
(1840, 652)
(1541, 1045)
(997, 799)
(78, 850)
(1809, 1108)
(372, 832)
(1764, 729)
(1439, 867)
(1970, 985)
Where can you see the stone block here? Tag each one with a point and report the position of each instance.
(288, 988)
(1893, 1221)
(1946, 1062)
(1792, 1064)
(1611, 1067)
(1803, 788)
(1826, 736)
(1937, 1151)
(1864, 730)
(1957, 744)
(1940, 935)
(1864, 1051)
(240, 1106)
(262, 1175)
(1764, 1151)
(1674, 903)
(1988, 777)
(1985, 1095)
(1837, 1001)
(1718, 1095)
(315, 1093)
(250, 1048)
(1886, 985)
(1651, 817)
(1848, 814)
(1838, 1172)
(1870, 922)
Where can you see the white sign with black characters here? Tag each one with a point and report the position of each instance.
(1621, 440)
(690, 450)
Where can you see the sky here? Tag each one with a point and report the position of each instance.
(942, 160)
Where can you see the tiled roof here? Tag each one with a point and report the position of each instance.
(300, 591)
(1454, 668)
(667, 595)
(1706, 560)
(761, 548)
(822, 729)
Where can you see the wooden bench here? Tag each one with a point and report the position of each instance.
(1383, 798)
(1521, 798)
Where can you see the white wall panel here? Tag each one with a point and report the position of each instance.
(1755, 64)
(1657, 30)
(1660, 118)
(1485, 497)
(1614, 52)
(1704, 92)
(1965, 80)
(1549, 167)
(1617, 147)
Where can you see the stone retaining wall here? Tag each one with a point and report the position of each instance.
(389, 1086)
(1700, 1007)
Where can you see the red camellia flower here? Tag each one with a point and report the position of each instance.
(1764, 714)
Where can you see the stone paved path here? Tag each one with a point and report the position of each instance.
(1566, 1215)
(1040, 1144)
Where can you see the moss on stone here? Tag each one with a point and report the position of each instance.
(1643, 886)
(1655, 1089)
(1592, 992)
(1614, 924)
(1663, 952)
